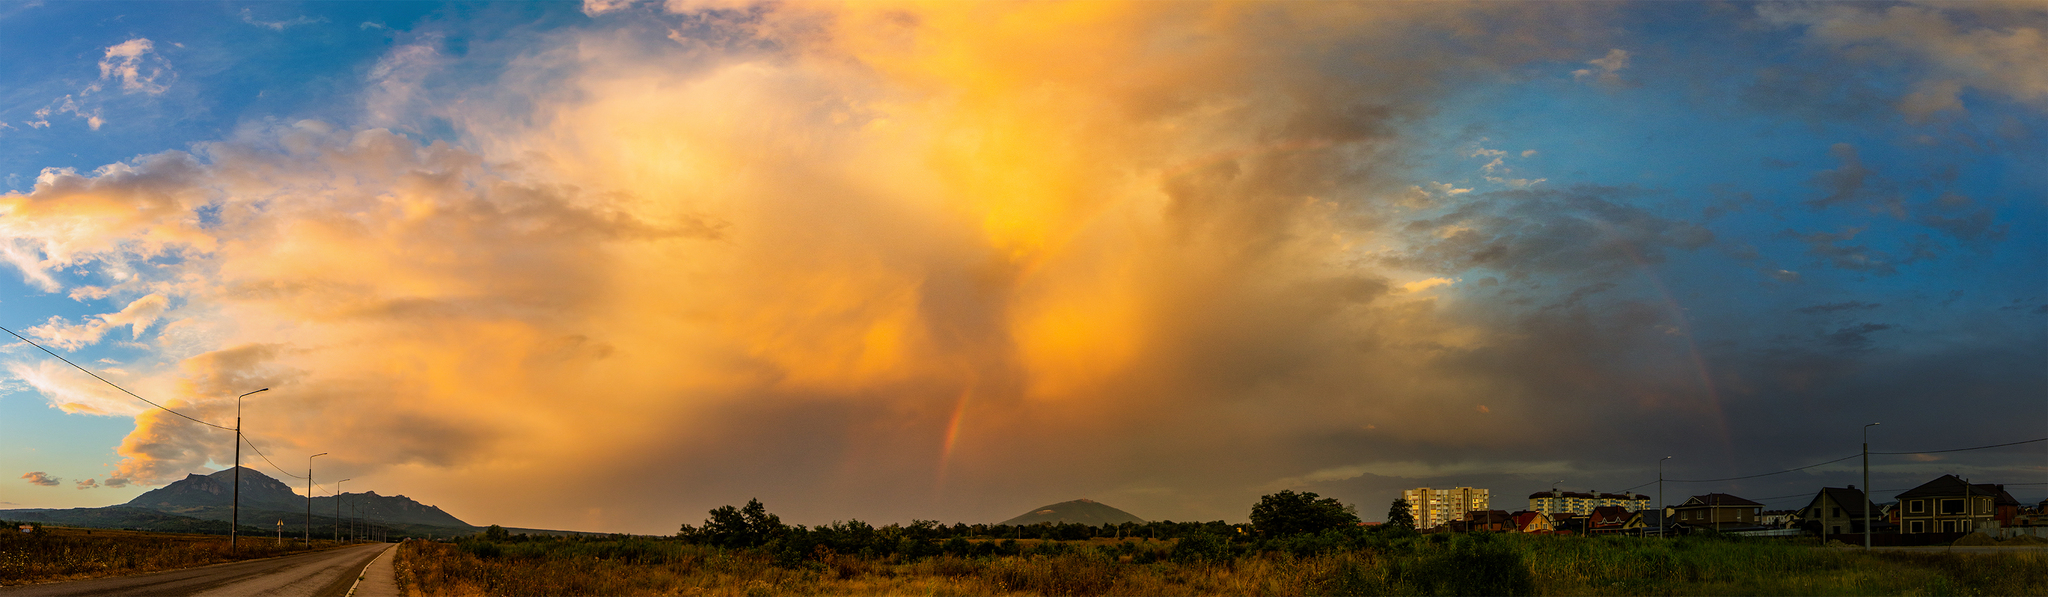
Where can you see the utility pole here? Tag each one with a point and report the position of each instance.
(309, 497)
(1868, 499)
(1662, 513)
(235, 518)
(337, 509)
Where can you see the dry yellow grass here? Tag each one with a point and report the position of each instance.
(59, 554)
(1424, 565)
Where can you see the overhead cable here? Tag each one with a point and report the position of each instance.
(116, 386)
(2044, 439)
(280, 470)
(1766, 474)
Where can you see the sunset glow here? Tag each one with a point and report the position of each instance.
(606, 266)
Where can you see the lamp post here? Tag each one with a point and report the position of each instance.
(235, 518)
(1868, 499)
(337, 508)
(309, 496)
(1662, 514)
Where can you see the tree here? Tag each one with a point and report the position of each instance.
(1290, 513)
(497, 533)
(1399, 517)
(749, 526)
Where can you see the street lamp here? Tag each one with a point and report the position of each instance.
(1662, 513)
(309, 496)
(1868, 499)
(235, 519)
(337, 508)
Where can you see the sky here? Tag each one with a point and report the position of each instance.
(605, 266)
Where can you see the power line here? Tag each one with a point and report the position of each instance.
(252, 446)
(116, 386)
(2044, 439)
(1765, 474)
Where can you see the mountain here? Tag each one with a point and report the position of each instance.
(1083, 511)
(205, 491)
(203, 503)
(209, 497)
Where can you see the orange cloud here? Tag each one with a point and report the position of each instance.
(896, 253)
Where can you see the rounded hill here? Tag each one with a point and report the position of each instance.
(1082, 511)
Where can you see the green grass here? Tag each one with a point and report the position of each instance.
(1481, 564)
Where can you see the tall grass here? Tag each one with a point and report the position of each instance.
(54, 554)
(1478, 564)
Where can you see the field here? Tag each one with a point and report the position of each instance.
(1354, 564)
(56, 554)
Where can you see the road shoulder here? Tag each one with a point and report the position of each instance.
(379, 579)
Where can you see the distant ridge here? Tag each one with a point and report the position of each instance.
(202, 503)
(1081, 511)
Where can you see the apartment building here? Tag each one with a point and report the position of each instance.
(1555, 501)
(1434, 507)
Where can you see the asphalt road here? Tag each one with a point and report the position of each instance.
(319, 574)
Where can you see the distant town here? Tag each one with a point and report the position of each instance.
(1939, 511)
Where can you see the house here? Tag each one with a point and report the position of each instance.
(1566, 523)
(1779, 519)
(1607, 520)
(1837, 510)
(1645, 522)
(1498, 521)
(1948, 504)
(1718, 511)
(1533, 522)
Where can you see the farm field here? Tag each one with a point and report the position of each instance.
(52, 554)
(1330, 564)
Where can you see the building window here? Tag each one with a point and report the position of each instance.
(1948, 526)
(1916, 527)
(1951, 506)
(1838, 513)
(1916, 506)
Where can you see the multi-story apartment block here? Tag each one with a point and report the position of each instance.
(1434, 507)
(1554, 501)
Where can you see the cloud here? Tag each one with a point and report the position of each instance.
(1845, 184)
(1527, 232)
(1606, 70)
(137, 67)
(894, 261)
(1838, 307)
(88, 484)
(250, 18)
(134, 66)
(138, 316)
(1854, 337)
(1834, 249)
(1989, 47)
(41, 478)
(116, 482)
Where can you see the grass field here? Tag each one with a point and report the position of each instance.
(1479, 564)
(57, 554)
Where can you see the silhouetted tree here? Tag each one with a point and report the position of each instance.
(749, 526)
(1399, 517)
(1290, 513)
(496, 533)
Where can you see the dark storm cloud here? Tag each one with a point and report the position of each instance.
(1526, 232)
